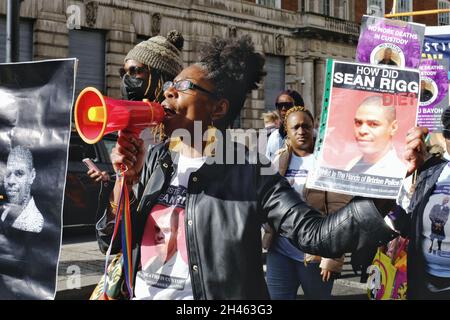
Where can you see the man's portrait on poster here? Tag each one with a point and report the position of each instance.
(20, 210)
(375, 125)
(387, 54)
(427, 91)
(374, 130)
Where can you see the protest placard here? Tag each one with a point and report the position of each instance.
(433, 93)
(366, 113)
(437, 44)
(390, 42)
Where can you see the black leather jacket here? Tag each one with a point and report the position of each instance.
(225, 207)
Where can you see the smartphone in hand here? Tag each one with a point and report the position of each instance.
(90, 164)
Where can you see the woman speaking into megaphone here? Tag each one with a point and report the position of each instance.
(196, 221)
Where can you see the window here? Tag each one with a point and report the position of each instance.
(25, 40)
(340, 9)
(110, 143)
(344, 12)
(78, 150)
(326, 7)
(270, 3)
(443, 18)
(404, 6)
(302, 5)
(274, 81)
(375, 8)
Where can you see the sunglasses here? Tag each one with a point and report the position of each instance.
(132, 71)
(184, 85)
(281, 105)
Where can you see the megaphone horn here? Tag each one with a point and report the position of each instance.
(97, 115)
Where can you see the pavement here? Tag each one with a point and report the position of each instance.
(80, 268)
(82, 264)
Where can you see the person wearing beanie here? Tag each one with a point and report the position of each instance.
(149, 64)
(146, 68)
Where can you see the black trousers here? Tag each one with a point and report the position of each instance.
(436, 288)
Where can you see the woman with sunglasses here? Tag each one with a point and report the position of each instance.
(285, 100)
(149, 64)
(220, 206)
(146, 68)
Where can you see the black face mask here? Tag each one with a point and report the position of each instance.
(132, 88)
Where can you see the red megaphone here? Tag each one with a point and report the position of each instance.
(97, 115)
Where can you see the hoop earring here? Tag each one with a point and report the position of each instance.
(158, 89)
(149, 81)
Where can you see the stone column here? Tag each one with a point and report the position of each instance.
(308, 87)
(319, 70)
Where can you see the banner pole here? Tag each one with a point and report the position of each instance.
(394, 7)
(12, 30)
(416, 13)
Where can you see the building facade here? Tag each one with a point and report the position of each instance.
(297, 36)
(385, 6)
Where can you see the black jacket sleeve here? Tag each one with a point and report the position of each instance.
(356, 225)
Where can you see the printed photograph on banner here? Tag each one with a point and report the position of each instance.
(368, 111)
(35, 116)
(390, 42)
(433, 93)
(436, 227)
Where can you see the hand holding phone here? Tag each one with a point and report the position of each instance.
(98, 175)
(90, 164)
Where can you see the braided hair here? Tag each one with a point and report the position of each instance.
(297, 109)
(235, 69)
(292, 110)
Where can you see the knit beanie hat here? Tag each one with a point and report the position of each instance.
(160, 53)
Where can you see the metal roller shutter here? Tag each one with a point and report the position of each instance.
(25, 42)
(89, 48)
(274, 80)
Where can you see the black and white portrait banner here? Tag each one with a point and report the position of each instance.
(35, 119)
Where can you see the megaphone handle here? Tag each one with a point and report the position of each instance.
(135, 133)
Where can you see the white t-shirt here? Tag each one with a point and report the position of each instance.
(165, 267)
(30, 219)
(274, 143)
(436, 228)
(388, 166)
(297, 172)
